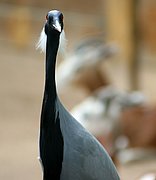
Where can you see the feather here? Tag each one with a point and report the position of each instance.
(63, 44)
(43, 39)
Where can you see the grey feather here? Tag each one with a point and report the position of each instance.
(84, 157)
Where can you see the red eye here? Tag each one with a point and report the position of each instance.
(46, 17)
(61, 16)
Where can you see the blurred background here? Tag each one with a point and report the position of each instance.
(106, 78)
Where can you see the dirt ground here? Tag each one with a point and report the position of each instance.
(21, 89)
(21, 78)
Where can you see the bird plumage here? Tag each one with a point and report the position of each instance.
(41, 44)
(67, 150)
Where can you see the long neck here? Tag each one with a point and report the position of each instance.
(51, 140)
(50, 94)
(51, 53)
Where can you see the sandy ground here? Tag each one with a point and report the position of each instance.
(20, 94)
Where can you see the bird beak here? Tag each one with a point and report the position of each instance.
(57, 26)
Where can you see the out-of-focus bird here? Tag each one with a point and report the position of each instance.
(100, 113)
(67, 150)
(84, 64)
(105, 106)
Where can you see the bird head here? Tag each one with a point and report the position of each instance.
(54, 21)
(53, 25)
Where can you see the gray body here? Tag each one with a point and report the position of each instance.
(84, 158)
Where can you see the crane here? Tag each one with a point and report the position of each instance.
(67, 150)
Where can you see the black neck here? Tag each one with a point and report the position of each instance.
(51, 53)
(51, 140)
(50, 94)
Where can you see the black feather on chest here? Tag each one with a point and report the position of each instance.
(51, 141)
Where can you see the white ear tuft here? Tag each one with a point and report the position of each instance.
(42, 41)
(63, 43)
